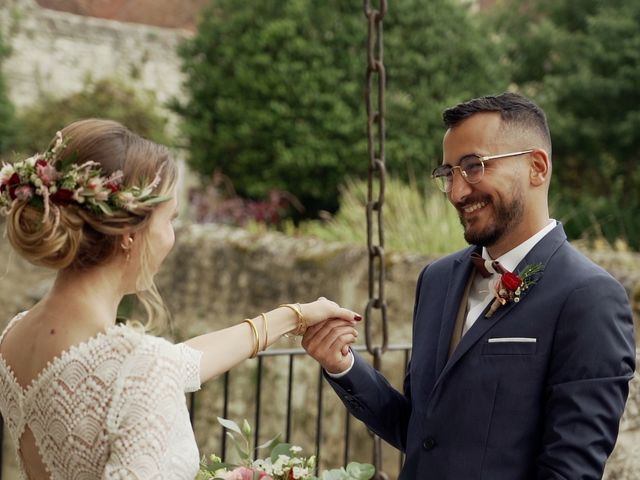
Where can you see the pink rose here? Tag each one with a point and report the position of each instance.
(244, 473)
(47, 173)
(24, 193)
(240, 473)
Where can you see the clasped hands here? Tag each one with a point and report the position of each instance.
(327, 339)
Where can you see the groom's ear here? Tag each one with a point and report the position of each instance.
(539, 168)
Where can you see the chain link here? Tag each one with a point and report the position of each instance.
(377, 171)
(376, 180)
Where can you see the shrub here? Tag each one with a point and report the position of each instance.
(107, 98)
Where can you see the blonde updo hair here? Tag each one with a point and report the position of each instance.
(75, 238)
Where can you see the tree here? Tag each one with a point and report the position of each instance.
(275, 90)
(437, 54)
(7, 114)
(581, 61)
(275, 94)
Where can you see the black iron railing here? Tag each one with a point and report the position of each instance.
(288, 427)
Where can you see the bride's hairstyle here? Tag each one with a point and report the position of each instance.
(61, 233)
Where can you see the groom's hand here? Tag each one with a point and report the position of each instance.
(328, 343)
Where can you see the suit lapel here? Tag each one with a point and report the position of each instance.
(460, 271)
(540, 253)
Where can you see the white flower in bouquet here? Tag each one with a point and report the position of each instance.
(285, 462)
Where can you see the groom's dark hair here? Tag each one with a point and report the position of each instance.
(515, 110)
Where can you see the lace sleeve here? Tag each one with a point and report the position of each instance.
(147, 399)
(191, 366)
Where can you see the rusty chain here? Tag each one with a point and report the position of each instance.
(376, 145)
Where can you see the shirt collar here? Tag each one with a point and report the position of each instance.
(513, 257)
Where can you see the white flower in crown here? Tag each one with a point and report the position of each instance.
(101, 196)
(6, 172)
(126, 199)
(31, 161)
(95, 184)
(58, 144)
(77, 196)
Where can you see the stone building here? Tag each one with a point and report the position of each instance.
(54, 52)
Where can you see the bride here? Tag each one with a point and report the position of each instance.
(81, 396)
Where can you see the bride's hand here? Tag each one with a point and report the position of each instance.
(323, 309)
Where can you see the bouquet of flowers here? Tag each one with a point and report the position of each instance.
(285, 462)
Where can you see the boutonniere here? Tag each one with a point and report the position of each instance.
(511, 286)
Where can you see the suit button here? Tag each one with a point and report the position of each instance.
(429, 443)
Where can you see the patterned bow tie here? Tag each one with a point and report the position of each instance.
(481, 265)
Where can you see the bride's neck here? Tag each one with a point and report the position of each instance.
(93, 294)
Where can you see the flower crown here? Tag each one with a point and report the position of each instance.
(38, 181)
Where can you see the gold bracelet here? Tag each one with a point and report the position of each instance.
(302, 323)
(257, 337)
(266, 331)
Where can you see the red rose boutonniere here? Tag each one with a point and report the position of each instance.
(510, 287)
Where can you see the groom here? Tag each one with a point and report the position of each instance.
(512, 377)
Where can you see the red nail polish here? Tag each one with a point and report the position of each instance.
(357, 317)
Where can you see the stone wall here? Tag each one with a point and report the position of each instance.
(217, 275)
(54, 52)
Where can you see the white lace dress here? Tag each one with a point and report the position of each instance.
(112, 407)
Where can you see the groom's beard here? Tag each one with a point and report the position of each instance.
(506, 217)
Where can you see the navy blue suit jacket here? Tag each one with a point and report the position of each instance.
(508, 409)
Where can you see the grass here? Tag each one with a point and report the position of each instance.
(415, 220)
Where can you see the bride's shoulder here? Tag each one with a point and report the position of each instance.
(135, 341)
(15, 319)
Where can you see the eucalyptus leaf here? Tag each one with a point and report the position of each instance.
(230, 424)
(335, 474)
(361, 471)
(280, 449)
(269, 444)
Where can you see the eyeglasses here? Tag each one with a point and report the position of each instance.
(471, 168)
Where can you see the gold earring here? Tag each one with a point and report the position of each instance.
(127, 248)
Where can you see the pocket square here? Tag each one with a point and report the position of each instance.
(506, 346)
(512, 340)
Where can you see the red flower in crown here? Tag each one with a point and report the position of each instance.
(11, 184)
(62, 197)
(511, 286)
(114, 187)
